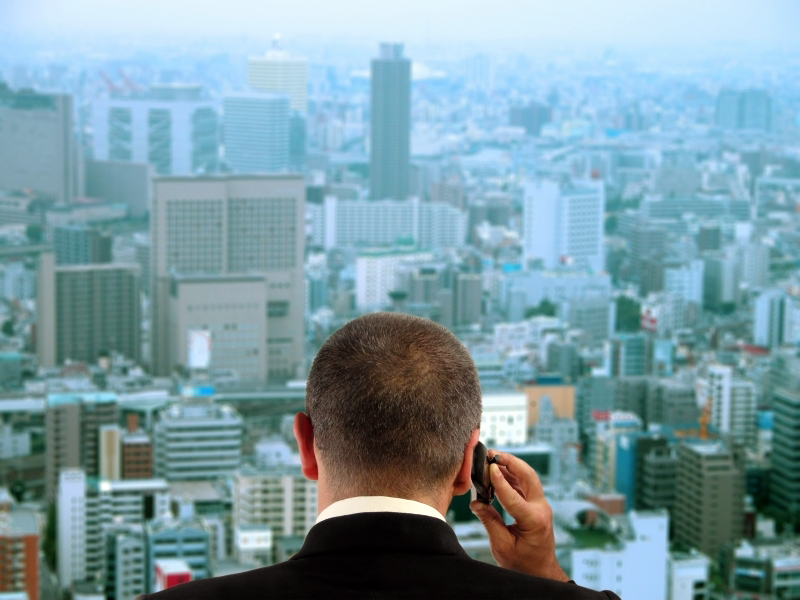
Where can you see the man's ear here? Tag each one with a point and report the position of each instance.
(304, 434)
(463, 481)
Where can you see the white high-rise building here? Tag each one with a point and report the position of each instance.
(173, 127)
(562, 224)
(791, 316)
(275, 496)
(71, 520)
(379, 223)
(768, 319)
(504, 419)
(733, 402)
(636, 567)
(376, 275)
(686, 281)
(223, 226)
(257, 132)
(197, 441)
(279, 72)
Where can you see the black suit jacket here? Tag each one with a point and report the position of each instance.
(380, 555)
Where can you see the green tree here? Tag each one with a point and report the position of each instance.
(545, 308)
(628, 314)
(34, 233)
(49, 543)
(8, 327)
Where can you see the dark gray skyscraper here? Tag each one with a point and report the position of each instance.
(390, 124)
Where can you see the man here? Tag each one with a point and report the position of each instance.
(393, 406)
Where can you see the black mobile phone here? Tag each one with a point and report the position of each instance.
(482, 489)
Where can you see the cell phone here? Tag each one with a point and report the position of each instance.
(481, 489)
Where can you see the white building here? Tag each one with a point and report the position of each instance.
(197, 441)
(278, 497)
(603, 445)
(768, 319)
(687, 576)
(376, 223)
(87, 508)
(13, 444)
(791, 316)
(563, 224)
(686, 281)
(663, 312)
(754, 264)
(733, 402)
(376, 275)
(257, 132)
(635, 566)
(173, 127)
(71, 527)
(279, 72)
(504, 420)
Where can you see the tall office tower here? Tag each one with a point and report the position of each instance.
(232, 225)
(746, 109)
(125, 562)
(563, 224)
(468, 298)
(733, 402)
(726, 114)
(37, 145)
(81, 245)
(85, 310)
(186, 539)
(603, 446)
(756, 110)
(297, 142)
(279, 72)
(670, 402)
(627, 354)
(71, 527)
(390, 124)
(72, 429)
(768, 319)
(215, 446)
(19, 553)
(532, 117)
(720, 281)
(709, 505)
(785, 457)
(754, 264)
(646, 242)
(173, 127)
(257, 132)
(275, 496)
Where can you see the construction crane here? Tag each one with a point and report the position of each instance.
(112, 87)
(705, 417)
(128, 83)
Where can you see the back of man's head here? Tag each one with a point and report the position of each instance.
(392, 399)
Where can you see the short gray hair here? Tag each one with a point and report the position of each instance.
(393, 400)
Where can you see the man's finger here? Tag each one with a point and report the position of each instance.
(528, 479)
(491, 520)
(509, 498)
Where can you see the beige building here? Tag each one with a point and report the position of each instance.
(206, 227)
(562, 399)
(83, 310)
(278, 72)
(233, 310)
(73, 437)
(37, 145)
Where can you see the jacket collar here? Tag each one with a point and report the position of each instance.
(382, 532)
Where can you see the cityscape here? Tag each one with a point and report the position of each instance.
(611, 229)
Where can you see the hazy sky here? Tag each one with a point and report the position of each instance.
(622, 22)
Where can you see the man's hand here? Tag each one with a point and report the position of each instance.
(528, 545)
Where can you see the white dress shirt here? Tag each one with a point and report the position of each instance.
(360, 504)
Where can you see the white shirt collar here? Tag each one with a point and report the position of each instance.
(359, 504)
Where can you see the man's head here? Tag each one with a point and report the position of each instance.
(393, 400)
